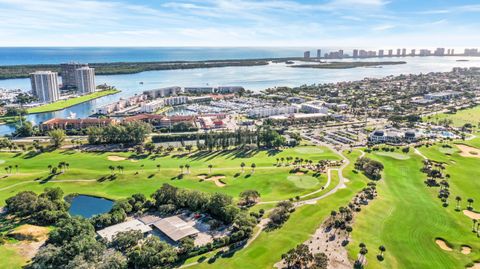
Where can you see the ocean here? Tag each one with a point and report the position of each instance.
(255, 78)
(55, 55)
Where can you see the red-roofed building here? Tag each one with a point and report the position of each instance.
(74, 124)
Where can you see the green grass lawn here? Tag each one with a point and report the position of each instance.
(62, 104)
(407, 216)
(271, 181)
(10, 258)
(470, 115)
(267, 249)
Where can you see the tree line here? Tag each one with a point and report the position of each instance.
(124, 133)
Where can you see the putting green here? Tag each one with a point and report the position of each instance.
(303, 181)
(395, 155)
(309, 150)
(447, 150)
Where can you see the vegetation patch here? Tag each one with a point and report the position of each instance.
(59, 105)
(309, 150)
(395, 155)
(303, 181)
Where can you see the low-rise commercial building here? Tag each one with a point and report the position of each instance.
(74, 124)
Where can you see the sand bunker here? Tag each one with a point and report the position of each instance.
(115, 158)
(299, 173)
(443, 245)
(475, 266)
(215, 179)
(467, 151)
(466, 250)
(471, 214)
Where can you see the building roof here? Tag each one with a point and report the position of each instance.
(79, 121)
(132, 225)
(175, 228)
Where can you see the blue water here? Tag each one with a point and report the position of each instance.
(49, 55)
(89, 206)
(255, 78)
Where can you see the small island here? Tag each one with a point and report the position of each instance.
(347, 65)
(62, 104)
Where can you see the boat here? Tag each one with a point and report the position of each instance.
(141, 82)
(73, 115)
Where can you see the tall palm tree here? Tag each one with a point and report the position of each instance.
(181, 169)
(142, 166)
(6, 170)
(16, 168)
(253, 167)
(210, 168)
(458, 199)
(187, 166)
(470, 202)
(158, 167)
(242, 165)
(112, 169)
(120, 168)
(382, 249)
(50, 168)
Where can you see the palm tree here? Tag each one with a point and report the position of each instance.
(50, 168)
(253, 167)
(158, 167)
(333, 214)
(210, 168)
(112, 168)
(67, 165)
(120, 168)
(349, 229)
(181, 169)
(382, 250)
(6, 170)
(458, 199)
(470, 202)
(16, 168)
(242, 165)
(187, 166)
(10, 168)
(141, 166)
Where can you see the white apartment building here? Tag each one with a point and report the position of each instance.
(152, 107)
(163, 92)
(314, 107)
(45, 86)
(176, 100)
(85, 80)
(271, 111)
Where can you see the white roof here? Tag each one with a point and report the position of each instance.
(175, 228)
(132, 225)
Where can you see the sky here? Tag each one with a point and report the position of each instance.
(233, 23)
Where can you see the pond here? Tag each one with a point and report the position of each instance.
(89, 206)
